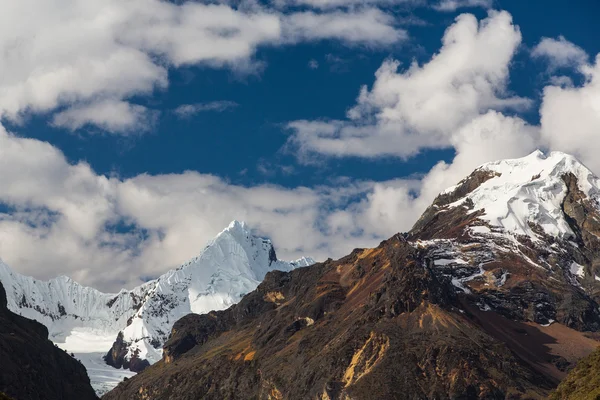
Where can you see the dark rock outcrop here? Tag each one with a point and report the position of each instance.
(116, 357)
(31, 367)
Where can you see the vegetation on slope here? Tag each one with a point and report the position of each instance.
(583, 382)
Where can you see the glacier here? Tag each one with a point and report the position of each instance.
(85, 321)
(528, 190)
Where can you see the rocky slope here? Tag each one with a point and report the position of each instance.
(138, 321)
(32, 367)
(488, 296)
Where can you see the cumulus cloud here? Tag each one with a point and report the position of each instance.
(422, 106)
(108, 232)
(559, 53)
(70, 223)
(328, 4)
(370, 26)
(113, 116)
(313, 64)
(189, 110)
(570, 117)
(79, 53)
(456, 100)
(63, 218)
(453, 5)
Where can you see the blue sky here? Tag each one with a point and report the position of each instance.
(240, 142)
(134, 165)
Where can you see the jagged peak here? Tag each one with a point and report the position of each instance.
(241, 232)
(236, 225)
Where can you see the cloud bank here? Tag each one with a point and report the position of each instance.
(85, 60)
(63, 218)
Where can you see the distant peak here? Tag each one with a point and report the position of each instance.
(240, 232)
(237, 225)
(537, 154)
(545, 161)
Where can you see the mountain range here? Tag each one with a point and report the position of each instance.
(494, 293)
(130, 327)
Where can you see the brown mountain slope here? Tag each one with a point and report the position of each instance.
(31, 367)
(376, 324)
(467, 305)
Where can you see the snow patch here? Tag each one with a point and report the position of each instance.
(103, 377)
(577, 269)
(443, 261)
(480, 229)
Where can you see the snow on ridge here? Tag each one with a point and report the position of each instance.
(530, 189)
(230, 266)
(82, 319)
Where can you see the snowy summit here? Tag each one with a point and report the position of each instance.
(85, 321)
(530, 190)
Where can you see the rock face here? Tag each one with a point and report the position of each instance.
(32, 367)
(119, 356)
(488, 296)
(140, 320)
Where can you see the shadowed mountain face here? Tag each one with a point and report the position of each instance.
(31, 367)
(488, 296)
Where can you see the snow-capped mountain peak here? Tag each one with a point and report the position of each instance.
(231, 265)
(83, 319)
(520, 233)
(522, 194)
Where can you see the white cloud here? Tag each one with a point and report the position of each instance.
(453, 5)
(570, 117)
(370, 26)
(73, 53)
(563, 81)
(313, 64)
(452, 101)
(328, 4)
(560, 53)
(112, 116)
(421, 107)
(64, 216)
(189, 110)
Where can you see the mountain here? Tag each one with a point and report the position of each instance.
(492, 294)
(230, 266)
(130, 327)
(32, 367)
